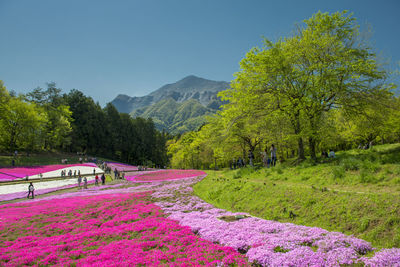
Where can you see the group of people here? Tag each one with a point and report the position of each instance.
(267, 162)
(118, 174)
(325, 154)
(366, 146)
(64, 173)
(96, 180)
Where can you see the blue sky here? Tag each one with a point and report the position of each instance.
(104, 48)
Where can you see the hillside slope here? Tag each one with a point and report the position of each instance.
(356, 193)
(174, 117)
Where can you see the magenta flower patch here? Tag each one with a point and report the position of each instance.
(102, 230)
(7, 174)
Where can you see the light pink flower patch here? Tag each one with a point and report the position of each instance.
(102, 230)
(121, 166)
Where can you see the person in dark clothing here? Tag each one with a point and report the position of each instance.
(251, 158)
(273, 155)
(31, 190)
(103, 179)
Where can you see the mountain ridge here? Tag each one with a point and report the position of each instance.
(176, 107)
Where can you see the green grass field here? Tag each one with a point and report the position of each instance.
(357, 193)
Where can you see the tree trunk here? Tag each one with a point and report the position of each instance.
(301, 149)
(312, 148)
(297, 131)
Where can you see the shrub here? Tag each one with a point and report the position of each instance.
(350, 164)
(338, 172)
(367, 177)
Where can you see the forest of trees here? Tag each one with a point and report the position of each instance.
(321, 88)
(46, 120)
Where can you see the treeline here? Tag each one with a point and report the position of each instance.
(320, 89)
(46, 120)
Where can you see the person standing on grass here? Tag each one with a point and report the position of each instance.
(251, 158)
(84, 182)
(264, 157)
(79, 181)
(103, 179)
(273, 155)
(31, 190)
(96, 180)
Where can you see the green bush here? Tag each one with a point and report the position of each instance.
(338, 172)
(372, 167)
(367, 177)
(278, 170)
(350, 164)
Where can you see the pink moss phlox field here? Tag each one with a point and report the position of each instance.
(11, 196)
(265, 243)
(268, 243)
(7, 174)
(164, 175)
(102, 230)
(121, 166)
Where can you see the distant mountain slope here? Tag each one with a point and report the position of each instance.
(127, 104)
(175, 117)
(177, 107)
(191, 87)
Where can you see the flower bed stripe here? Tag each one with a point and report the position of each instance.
(7, 174)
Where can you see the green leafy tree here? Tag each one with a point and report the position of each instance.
(58, 127)
(324, 66)
(21, 125)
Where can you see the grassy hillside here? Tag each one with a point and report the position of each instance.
(357, 193)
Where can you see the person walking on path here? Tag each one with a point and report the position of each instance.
(103, 179)
(96, 180)
(31, 190)
(79, 181)
(84, 182)
(273, 155)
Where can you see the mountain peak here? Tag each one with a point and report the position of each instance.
(189, 93)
